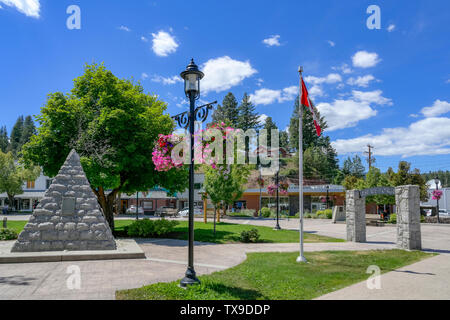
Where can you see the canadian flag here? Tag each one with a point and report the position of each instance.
(306, 101)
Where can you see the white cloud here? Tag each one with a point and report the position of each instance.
(144, 39)
(223, 73)
(144, 76)
(167, 80)
(391, 28)
(345, 113)
(364, 59)
(315, 91)
(331, 43)
(331, 78)
(361, 81)
(164, 44)
(439, 107)
(30, 8)
(420, 138)
(268, 96)
(272, 41)
(371, 97)
(345, 69)
(124, 28)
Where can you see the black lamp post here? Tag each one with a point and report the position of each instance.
(328, 198)
(192, 76)
(137, 205)
(436, 181)
(277, 227)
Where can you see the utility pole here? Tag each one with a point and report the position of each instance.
(370, 158)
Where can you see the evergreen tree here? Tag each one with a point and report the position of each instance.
(248, 118)
(284, 140)
(28, 131)
(16, 136)
(354, 167)
(269, 125)
(227, 111)
(4, 141)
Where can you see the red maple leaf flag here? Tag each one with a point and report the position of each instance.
(306, 102)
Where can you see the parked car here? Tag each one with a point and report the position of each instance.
(443, 212)
(185, 212)
(132, 210)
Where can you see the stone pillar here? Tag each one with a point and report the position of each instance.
(407, 200)
(355, 216)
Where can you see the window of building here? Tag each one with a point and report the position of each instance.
(198, 186)
(30, 184)
(48, 182)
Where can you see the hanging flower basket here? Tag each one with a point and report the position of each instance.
(162, 151)
(437, 194)
(272, 189)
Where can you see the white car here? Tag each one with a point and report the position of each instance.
(185, 212)
(443, 212)
(132, 210)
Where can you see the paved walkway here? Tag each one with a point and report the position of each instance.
(166, 261)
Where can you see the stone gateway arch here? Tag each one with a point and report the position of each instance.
(407, 200)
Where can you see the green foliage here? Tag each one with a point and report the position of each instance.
(248, 118)
(250, 236)
(324, 214)
(284, 140)
(444, 177)
(228, 111)
(224, 189)
(4, 140)
(406, 176)
(7, 234)
(352, 182)
(113, 125)
(242, 213)
(393, 218)
(354, 167)
(266, 212)
(150, 228)
(13, 175)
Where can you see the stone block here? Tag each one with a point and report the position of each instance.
(82, 226)
(46, 226)
(70, 226)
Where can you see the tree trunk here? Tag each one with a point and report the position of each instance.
(11, 202)
(107, 204)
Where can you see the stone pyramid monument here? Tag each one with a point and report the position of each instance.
(68, 217)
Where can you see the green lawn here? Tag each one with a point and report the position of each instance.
(229, 233)
(225, 232)
(277, 276)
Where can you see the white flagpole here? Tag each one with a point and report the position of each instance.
(301, 257)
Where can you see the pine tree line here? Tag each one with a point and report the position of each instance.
(21, 133)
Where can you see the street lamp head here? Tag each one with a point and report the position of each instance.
(192, 76)
(436, 180)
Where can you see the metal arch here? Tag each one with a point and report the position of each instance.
(377, 191)
(200, 114)
(182, 119)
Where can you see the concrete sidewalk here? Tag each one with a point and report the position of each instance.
(425, 280)
(166, 261)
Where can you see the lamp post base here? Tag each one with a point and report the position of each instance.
(277, 227)
(189, 279)
(301, 259)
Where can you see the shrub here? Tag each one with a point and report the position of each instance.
(8, 234)
(250, 236)
(150, 228)
(328, 213)
(242, 213)
(393, 218)
(266, 212)
(422, 219)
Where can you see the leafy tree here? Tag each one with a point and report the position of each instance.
(226, 186)
(406, 176)
(13, 175)
(16, 136)
(444, 177)
(352, 183)
(248, 118)
(227, 111)
(4, 140)
(113, 125)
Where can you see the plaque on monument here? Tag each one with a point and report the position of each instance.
(68, 206)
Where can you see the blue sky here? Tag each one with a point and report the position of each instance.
(388, 87)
